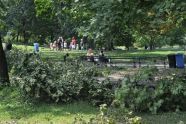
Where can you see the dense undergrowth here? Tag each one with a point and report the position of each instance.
(154, 90)
(148, 90)
(58, 81)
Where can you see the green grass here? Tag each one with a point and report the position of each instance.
(138, 53)
(58, 55)
(46, 53)
(12, 108)
(164, 118)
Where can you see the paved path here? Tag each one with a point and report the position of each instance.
(137, 65)
(118, 76)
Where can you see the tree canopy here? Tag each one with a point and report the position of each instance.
(103, 22)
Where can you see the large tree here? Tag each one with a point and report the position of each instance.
(107, 22)
(4, 77)
(157, 21)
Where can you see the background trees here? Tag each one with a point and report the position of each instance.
(102, 22)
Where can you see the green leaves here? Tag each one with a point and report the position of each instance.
(168, 94)
(44, 8)
(56, 81)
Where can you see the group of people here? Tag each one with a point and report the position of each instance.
(61, 44)
(101, 56)
(58, 44)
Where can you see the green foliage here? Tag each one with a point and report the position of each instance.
(58, 82)
(154, 91)
(43, 7)
(101, 92)
(156, 19)
(103, 22)
(111, 116)
(14, 55)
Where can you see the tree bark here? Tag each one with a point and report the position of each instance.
(4, 77)
(17, 37)
(151, 45)
(24, 31)
(51, 37)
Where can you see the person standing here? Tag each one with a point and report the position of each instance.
(102, 57)
(51, 46)
(62, 42)
(77, 46)
(55, 45)
(65, 45)
(74, 42)
(59, 44)
(81, 44)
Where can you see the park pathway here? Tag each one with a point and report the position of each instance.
(118, 76)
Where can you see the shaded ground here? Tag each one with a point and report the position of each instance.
(117, 76)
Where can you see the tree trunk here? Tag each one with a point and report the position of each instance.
(4, 77)
(110, 45)
(151, 45)
(51, 37)
(24, 37)
(17, 37)
(24, 31)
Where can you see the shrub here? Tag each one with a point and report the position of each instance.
(59, 82)
(101, 93)
(153, 90)
(111, 116)
(14, 57)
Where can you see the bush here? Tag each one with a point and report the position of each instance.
(154, 91)
(101, 93)
(14, 57)
(59, 82)
(111, 116)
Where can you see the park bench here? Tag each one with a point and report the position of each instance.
(129, 61)
(138, 61)
(88, 58)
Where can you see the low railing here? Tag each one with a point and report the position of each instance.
(129, 61)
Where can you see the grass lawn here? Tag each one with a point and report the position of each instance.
(143, 53)
(46, 53)
(56, 55)
(12, 108)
